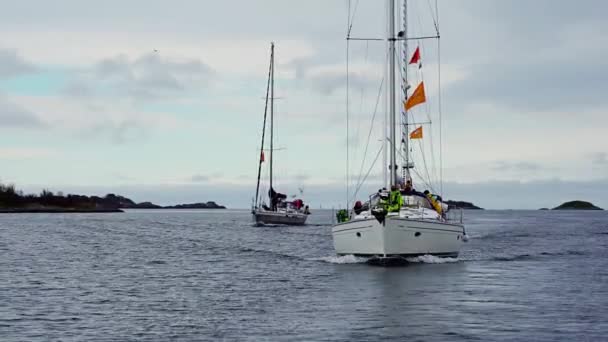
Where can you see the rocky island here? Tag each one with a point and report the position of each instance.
(462, 205)
(577, 205)
(14, 201)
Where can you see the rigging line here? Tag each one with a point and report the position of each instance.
(439, 105)
(351, 19)
(437, 16)
(426, 169)
(422, 179)
(426, 184)
(435, 20)
(428, 115)
(358, 121)
(368, 171)
(371, 126)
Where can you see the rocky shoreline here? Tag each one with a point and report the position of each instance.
(14, 201)
(577, 205)
(462, 205)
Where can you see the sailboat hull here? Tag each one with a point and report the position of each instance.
(262, 217)
(397, 237)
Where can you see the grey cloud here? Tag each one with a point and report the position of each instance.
(77, 88)
(600, 159)
(12, 115)
(119, 66)
(516, 166)
(328, 83)
(199, 178)
(205, 178)
(118, 133)
(533, 55)
(149, 76)
(541, 85)
(12, 64)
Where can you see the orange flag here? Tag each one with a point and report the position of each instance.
(417, 97)
(417, 133)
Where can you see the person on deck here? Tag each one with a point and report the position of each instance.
(358, 208)
(432, 199)
(395, 200)
(407, 189)
(276, 199)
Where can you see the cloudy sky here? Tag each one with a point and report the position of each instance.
(163, 101)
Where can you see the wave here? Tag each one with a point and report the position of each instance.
(501, 236)
(267, 253)
(351, 259)
(526, 256)
(431, 259)
(344, 259)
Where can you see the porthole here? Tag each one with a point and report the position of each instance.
(358, 234)
(417, 234)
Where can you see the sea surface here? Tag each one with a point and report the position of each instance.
(211, 275)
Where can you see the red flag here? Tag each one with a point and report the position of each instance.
(416, 56)
(262, 159)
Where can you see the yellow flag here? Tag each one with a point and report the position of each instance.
(417, 133)
(417, 97)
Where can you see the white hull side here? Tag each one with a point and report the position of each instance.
(397, 237)
(270, 217)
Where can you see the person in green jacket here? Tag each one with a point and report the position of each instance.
(395, 200)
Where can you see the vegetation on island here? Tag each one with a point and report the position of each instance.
(462, 205)
(577, 205)
(13, 201)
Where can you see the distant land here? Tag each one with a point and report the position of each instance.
(462, 205)
(14, 201)
(577, 205)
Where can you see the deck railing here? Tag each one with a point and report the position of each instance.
(454, 215)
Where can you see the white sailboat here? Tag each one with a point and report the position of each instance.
(398, 221)
(279, 210)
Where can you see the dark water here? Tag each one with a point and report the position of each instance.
(184, 276)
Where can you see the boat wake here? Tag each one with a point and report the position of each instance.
(344, 259)
(431, 259)
(351, 259)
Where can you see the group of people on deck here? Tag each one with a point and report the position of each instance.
(394, 202)
(279, 200)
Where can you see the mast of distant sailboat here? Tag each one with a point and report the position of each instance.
(269, 88)
(271, 191)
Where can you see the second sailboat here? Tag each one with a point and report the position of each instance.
(278, 210)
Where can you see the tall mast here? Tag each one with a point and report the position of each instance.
(260, 161)
(392, 97)
(271, 113)
(406, 131)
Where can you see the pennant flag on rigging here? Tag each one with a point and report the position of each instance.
(417, 133)
(416, 57)
(262, 158)
(417, 97)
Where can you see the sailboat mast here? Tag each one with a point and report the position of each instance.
(271, 115)
(406, 131)
(261, 160)
(392, 95)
